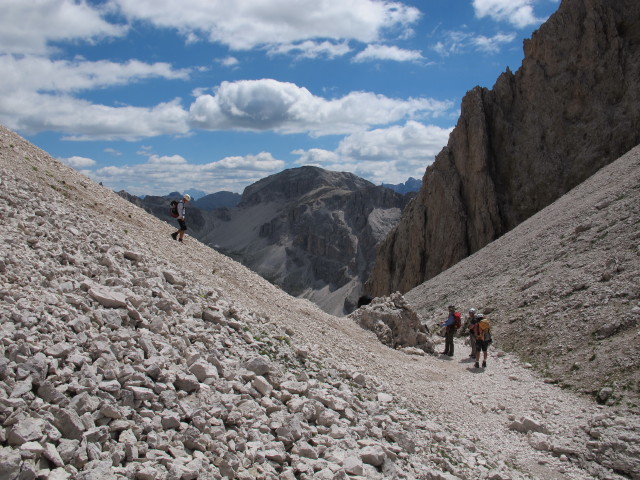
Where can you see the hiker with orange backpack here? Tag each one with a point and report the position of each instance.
(451, 324)
(482, 331)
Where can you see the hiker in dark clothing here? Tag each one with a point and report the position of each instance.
(468, 327)
(182, 210)
(450, 330)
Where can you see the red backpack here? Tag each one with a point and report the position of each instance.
(458, 320)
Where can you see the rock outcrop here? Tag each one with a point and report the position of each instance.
(395, 323)
(572, 107)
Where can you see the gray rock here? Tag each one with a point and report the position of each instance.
(373, 455)
(258, 365)
(9, 463)
(25, 430)
(186, 382)
(108, 297)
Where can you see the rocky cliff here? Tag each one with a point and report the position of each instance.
(571, 108)
(311, 231)
(563, 287)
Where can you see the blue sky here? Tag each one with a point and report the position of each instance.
(153, 96)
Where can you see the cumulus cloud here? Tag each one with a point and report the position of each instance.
(34, 73)
(518, 13)
(287, 108)
(385, 52)
(162, 174)
(36, 95)
(78, 162)
(244, 25)
(383, 155)
(29, 27)
(31, 113)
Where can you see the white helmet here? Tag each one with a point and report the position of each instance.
(472, 311)
(187, 197)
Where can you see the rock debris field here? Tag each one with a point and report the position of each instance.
(127, 355)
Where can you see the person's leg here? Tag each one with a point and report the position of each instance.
(449, 342)
(183, 228)
(472, 342)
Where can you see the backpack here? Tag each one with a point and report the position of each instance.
(457, 319)
(484, 331)
(173, 209)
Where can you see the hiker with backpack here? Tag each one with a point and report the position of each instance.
(468, 327)
(482, 331)
(178, 210)
(451, 324)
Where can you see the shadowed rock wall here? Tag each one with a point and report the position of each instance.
(572, 107)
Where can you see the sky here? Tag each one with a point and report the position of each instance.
(155, 96)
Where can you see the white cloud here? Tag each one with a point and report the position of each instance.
(459, 42)
(383, 155)
(452, 43)
(166, 160)
(78, 162)
(113, 151)
(385, 52)
(33, 73)
(264, 161)
(244, 25)
(161, 174)
(286, 108)
(31, 113)
(27, 27)
(35, 96)
(229, 62)
(518, 13)
(493, 44)
(311, 49)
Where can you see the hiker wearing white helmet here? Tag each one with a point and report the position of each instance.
(468, 327)
(182, 210)
(482, 330)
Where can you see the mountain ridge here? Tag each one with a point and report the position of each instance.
(521, 145)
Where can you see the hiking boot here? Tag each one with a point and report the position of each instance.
(174, 235)
(476, 365)
(484, 363)
(180, 240)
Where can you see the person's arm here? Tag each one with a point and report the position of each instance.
(181, 210)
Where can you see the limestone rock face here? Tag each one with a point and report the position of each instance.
(572, 107)
(310, 231)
